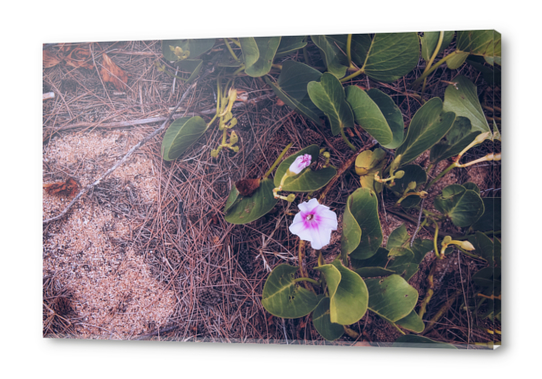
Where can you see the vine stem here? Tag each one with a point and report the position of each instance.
(430, 290)
(345, 139)
(278, 160)
(432, 59)
(437, 65)
(349, 49)
(123, 159)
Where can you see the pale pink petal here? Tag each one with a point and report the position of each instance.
(300, 163)
(319, 238)
(327, 219)
(309, 206)
(298, 226)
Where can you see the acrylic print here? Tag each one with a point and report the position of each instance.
(318, 190)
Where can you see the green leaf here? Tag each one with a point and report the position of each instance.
(192, 66)
(458, 138)
(335, 60)
(392, 298)
(322, 323)
(373, 266)
(393, 116)
(456, 60)
(282, 297)
(290, 44)
(391, 56)
(182, 134)
(398, 238)
(242, 210)
(368, 115)
(429, 42)
(292, 88)
(328, 96)
(307, 180)
(412, 322)
(259, 53)
(403, 261)
(486, 43)
(428, 126)
(359, 47)
(363, 206)
(196, 47)
(463, 101)
(463, 206)
(411, 340)
(491, 219)
(491, 74)
(420, 248)
(483, 247)
(347, 292)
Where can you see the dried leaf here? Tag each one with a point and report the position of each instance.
(113, 74)
(50, 59)
(247, 187)
(79, 57)
(68, 188)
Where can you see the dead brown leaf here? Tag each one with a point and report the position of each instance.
(247, 187)
(79, 57)
(50, 59)
(68, 188)
(113, 74)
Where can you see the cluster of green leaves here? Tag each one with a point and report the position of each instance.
(366, 276)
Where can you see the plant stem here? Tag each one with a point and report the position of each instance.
(442, 311)
(231, 50)
(439, 44)
(345, 139)
(430, 290)
(349, 49)
(439, 63)
(439, 176)
(306, 280)
(352, 76)
(435, 239)
(277, 161)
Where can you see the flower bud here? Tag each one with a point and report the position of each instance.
(300, 163)
(400, 174)
(467, 245)
(411, 185)
(290, 198)
(233, 138)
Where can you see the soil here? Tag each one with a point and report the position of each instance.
(147, 253)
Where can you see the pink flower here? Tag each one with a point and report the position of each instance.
(314, 223)
(300, 163)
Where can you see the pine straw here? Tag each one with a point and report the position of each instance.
(149, 255)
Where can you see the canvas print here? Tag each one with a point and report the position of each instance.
(316, 190)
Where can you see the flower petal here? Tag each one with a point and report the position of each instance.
(319, 238)
(308, 206)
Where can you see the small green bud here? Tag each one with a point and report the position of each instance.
(446, 241)
(411, 185)
(467, 245)
(214, 153)
(395, 164)
(290, 198)
(235, 148)
(399, 174)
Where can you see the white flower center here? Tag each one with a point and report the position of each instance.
(309, 217)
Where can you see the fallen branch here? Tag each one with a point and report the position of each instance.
(122, 160)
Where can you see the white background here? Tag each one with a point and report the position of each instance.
(26, 25)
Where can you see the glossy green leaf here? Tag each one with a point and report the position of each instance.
(242, 210)
(411, 340)
(368, 115)
(307, 180)
(335, 60)
(196, 47)
(391, 56)
(403, 261)
(360, 45)
(420, 248)
(258, 53)
(393, 116)
(282, 297)
(292, 88)
(398, 237)
(322, 323)
(471, 186)
(456, 60)
(483, 247)
(428, 126)
(363, 205)
(458, 138)
(463, 101)
(347, 292)
(373, 266)
(486, 43)
(491, 219)
(289, 44)
(351, 232)
(392, 298)
(429, 42)
(463, 206)
(182, 134)
(412, 322)
(328, 96)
